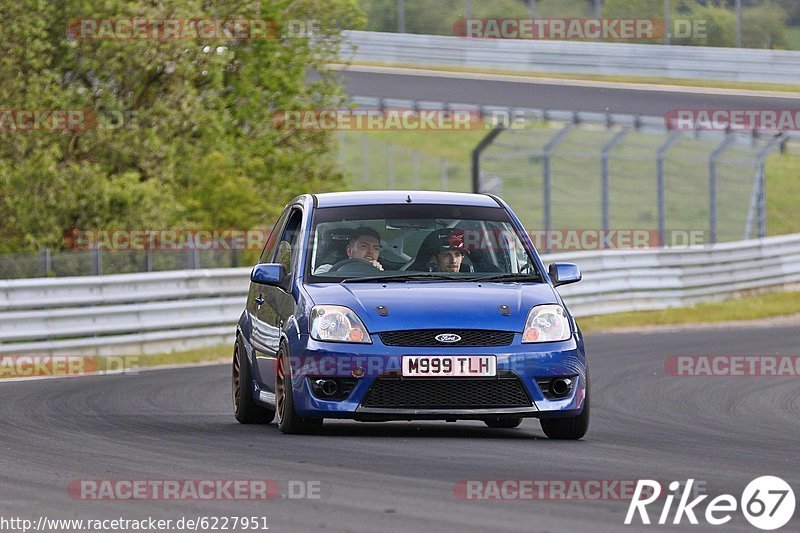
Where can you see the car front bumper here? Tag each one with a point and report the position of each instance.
(364, 364)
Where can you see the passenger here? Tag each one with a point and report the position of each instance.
(364, 244)
(449, 252)
(449, 260)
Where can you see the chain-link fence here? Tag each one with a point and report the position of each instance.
(563, 170)
(572, 174)
(374, 163)
(49, 263)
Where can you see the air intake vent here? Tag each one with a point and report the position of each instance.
(427, 337)
(447, 393)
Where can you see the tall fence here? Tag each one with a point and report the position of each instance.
(564, 170)
(380, 163)
(160, 312)
(570, 173)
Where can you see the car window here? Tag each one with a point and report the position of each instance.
(289, 240)
(461, 241)
(271, 245)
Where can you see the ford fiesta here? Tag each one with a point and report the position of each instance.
(393, 305)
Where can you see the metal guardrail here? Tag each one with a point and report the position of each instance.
(650, 280)
(121, 314)
(167, 311)
(697, 62)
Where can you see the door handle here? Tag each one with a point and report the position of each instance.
(259, 301)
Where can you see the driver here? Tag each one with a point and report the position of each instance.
(364, 244)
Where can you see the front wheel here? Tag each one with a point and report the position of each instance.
(569, 428)
(289, 421)
(244, 408)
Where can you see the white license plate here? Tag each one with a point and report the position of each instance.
(449, 365)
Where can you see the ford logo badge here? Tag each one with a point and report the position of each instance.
(448, 337)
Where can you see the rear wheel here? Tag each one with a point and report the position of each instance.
(245, 409)
(503, 423)
(569, 428)
(289, 421)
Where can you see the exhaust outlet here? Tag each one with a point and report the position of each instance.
(561, 387)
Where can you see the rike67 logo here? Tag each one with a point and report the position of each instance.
(767, 503)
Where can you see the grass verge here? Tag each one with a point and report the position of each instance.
(783, 192)
(763, 306)
(211, 354)
(36, 365)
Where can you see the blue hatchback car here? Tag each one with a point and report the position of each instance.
(395, 305)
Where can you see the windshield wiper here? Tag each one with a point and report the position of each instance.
(507, 277)
(405, 277)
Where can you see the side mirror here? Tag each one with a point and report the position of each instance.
(268, 274)
(564, 273)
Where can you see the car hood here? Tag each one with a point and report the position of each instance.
(432, 305)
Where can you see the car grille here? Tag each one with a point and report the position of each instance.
(427, 337)
(447, 393)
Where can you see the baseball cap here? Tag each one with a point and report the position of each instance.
(450, 239)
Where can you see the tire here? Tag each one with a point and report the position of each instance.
(568, 428)
(503, 423)
(245, 410)
(289, 422)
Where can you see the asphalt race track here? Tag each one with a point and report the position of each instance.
(563, 95)
(176, 424)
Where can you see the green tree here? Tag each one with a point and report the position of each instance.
(437, 17)
(764, 26)
(197, 147)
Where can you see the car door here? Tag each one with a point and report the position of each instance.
(275, 304)
(260, 334)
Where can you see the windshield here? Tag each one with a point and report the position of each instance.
(416, 242)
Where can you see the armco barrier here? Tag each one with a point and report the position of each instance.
(698, 62)
(166, 311)
(121, 314)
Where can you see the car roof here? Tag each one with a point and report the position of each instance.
(341, 199)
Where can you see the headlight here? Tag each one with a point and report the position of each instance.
(546, 323)
(338, 324)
